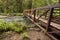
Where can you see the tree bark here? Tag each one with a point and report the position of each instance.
(19, 3)
(59, 1)
(30, 4)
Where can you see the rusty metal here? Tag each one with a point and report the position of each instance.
(44, 13)
(46, 25)
(34, 14)
(49, 19)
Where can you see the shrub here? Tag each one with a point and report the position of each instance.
(25, 35)
(12, 26)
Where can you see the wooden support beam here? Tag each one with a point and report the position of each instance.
(49, 18)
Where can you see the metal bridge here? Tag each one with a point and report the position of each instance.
(44, 19)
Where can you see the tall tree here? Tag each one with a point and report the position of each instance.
(29, 4)
(59, 1)
(49, 2)
(19, 3)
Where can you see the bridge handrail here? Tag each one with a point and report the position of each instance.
(51, 8)
(46, 7)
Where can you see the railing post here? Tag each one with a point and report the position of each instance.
(34, 14)
(49, 18)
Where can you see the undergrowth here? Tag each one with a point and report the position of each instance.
(12, 26)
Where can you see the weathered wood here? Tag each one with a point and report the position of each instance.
(55, 25)
(47, 33)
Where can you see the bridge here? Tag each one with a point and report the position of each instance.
(42, 17)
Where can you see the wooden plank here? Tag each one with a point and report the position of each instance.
(55, 25)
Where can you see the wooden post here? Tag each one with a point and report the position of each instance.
(34, 14)
(49, 18)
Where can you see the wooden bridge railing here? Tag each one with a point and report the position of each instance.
(32, 12)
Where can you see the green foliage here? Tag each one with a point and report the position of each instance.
(11, 14)
(17, 6)
(12, 26)
(10, 6)
(25, 35)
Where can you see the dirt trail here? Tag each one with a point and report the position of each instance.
(33, 34)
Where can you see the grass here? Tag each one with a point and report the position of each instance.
(12, 26)
(18, 27)
(11, 14)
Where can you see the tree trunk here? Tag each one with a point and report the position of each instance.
(30, 4)
(19, 3)
(59, 1)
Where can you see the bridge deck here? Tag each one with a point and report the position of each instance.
(54, 29)
(55, 25)
(41, 27)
